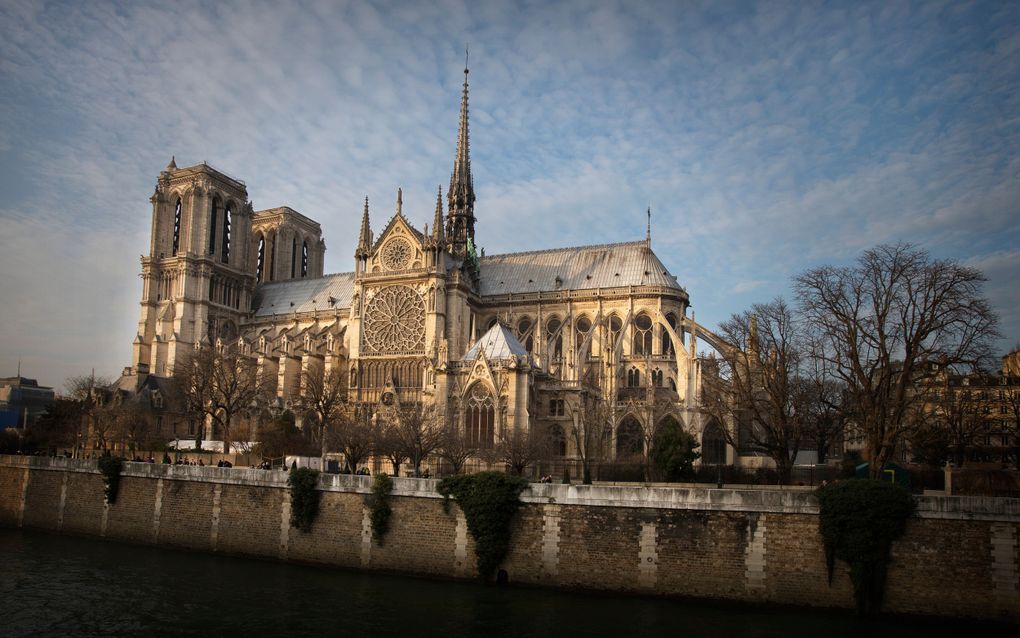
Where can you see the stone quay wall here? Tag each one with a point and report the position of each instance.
(960, 556)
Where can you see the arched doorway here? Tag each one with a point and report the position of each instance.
(713, 444)
(629, 441)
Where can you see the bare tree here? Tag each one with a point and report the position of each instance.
(386, 439)
(221, 384)
(129, 425)
(351, 433)
(455, 448)
(519, 448)
(757, 384)
(420, 432)
(1010, 421)
(324, 399)
(89, 393)
(884, 322)
(591, 429)
(949, 425)
(824, 411)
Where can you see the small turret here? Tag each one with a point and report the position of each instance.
(364, 247)
(438, 236)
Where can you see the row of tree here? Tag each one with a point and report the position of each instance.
(866, 346)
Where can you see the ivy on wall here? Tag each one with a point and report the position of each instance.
(110, 467)
(860, 518)
(379, 506)
(304, 497)
(489, 501)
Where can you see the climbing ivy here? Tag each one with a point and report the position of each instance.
(860, 518)
(489, 501)
(304, 497)
(379, 506)
(110, 467)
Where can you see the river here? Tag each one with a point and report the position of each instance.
(52, 585)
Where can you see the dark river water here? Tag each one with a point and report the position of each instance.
(54, 585)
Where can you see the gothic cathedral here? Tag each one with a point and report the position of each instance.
(498, 343)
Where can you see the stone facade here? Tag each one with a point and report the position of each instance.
(607, 323)
(960, 556)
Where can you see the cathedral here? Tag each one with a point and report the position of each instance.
(497, 343)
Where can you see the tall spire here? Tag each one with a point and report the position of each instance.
(461, 196)
(437, 224)
(648, 229)
(365, 239)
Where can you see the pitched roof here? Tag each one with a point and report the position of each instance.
(497, 344)
(584, 267)
(304, 295)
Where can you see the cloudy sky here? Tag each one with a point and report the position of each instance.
(767, 138)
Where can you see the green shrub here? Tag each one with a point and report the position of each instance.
(379, 506)
(110, 467)
(304, 497)
(860, 518)
(489, 501)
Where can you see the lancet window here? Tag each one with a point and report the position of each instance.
(582, 327)
(667, 342)
(555, 338)
(260, 260)
(212, 225)
(227, 215)
(304, 258)
(525, 335)
(615, 326)
(177, 226)
(480, 418)
(642, 335)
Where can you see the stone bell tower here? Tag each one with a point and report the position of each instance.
(198, 277)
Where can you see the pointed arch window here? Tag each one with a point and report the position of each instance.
(557, 440)
(555, 338)
(480, 418)
(582, 327)
(213, 215)
(260, 259)
(629, 440)
(227, 215)
(633, 378)
(615, 326)
(177, 226)
(293, 257)
(524, 334)
(304, 258)
(667, 341)
(272, 257)
(642, 335)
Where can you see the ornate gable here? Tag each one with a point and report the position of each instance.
(400, 246)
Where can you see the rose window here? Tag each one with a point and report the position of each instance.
(396, 254)
(395, 321)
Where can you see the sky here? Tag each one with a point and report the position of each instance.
(767, 138)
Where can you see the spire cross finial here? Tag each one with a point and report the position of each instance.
(465, 59)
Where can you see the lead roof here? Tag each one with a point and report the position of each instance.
(577, 268)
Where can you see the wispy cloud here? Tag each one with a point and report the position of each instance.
(766, 138)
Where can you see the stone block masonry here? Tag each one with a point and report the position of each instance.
(959, 557)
